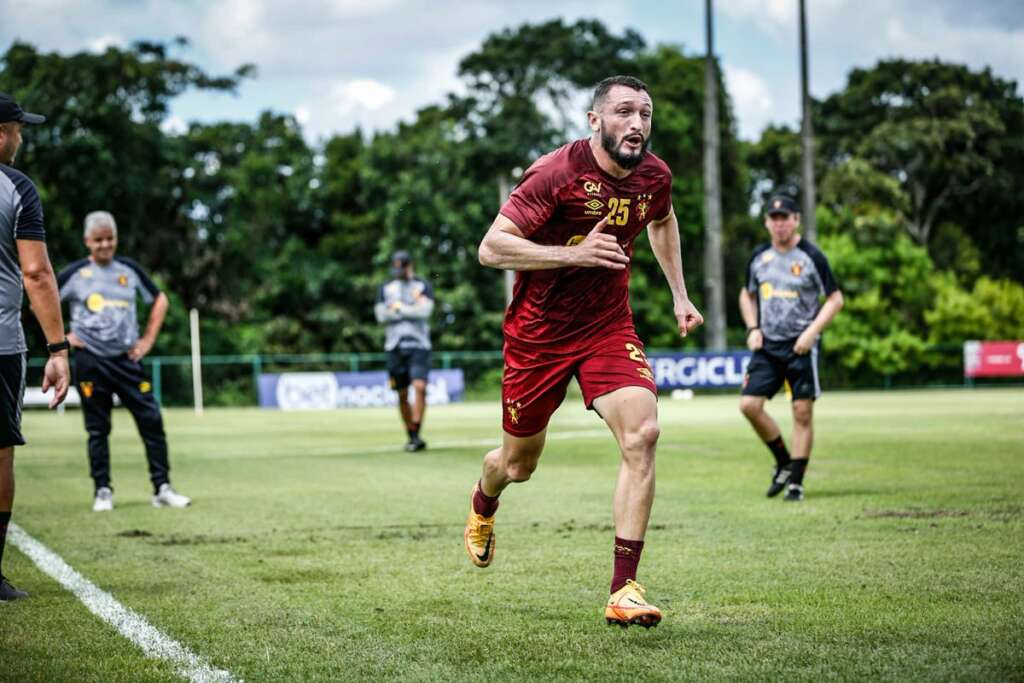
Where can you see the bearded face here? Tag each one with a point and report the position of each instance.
(627, 150)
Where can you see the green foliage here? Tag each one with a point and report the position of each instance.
(951, 138)
(994, 310)
(885, 281)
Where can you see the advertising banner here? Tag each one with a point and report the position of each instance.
(994, 359)
(703, 370)
(328, 390)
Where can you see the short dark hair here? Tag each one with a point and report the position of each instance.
(601, 91)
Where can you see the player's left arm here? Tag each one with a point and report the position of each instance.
(423, 306)
(157, 314)
(664, 237)
(159, 304)
(833, 304)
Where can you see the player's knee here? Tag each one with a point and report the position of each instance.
(750, 407)
(641, 438)
(802, 415)
(520, 470)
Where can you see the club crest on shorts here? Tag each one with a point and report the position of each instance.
(513, 409)
(86, 389)
(145, 387)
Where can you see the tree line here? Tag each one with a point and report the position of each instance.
(282, 243)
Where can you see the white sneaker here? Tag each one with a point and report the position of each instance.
(104, 500)
(168, 497)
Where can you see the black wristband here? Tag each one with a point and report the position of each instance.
(59, 346)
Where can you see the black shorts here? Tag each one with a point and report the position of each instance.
(405, 365)
(776, 362)
(12, 391)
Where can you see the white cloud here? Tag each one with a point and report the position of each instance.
(101, 43)
(362, 93)
(302, 114)
(174, 125)
(751, 98)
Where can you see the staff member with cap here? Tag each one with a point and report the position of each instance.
(781, 305)
(101, 290)
(24, 266)
(404, 304)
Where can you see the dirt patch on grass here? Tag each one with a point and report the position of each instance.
(200, 539)
(134, 533)
(1002, 513)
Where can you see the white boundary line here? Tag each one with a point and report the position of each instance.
(131, 625)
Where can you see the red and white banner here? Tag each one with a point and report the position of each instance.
(994, 359)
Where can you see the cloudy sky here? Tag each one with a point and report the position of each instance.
(336, 64)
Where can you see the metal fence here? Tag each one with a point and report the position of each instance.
(233, 380)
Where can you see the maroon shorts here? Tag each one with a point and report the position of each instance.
(535, 382)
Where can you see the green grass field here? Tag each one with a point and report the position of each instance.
(315, 551)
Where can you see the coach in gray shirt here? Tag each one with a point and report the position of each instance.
(24, 266)
(404, 304)
(101, 291)
(787, 279)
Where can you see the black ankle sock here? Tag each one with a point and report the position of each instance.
(778, 449)
(414, 430)
(797, 467)
(5, 518)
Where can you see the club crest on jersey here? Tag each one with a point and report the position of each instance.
(122, 280)
(590, 187)
(796, 269)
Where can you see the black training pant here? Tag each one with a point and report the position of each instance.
(98, 379)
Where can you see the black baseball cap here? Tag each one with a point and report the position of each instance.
(399, 260)
(780, 203)
(10, 111)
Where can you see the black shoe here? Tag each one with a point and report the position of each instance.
(9, 592)
(415, 444)
(779, 480)
(795, 493)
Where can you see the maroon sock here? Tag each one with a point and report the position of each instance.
(483, 504)
(627, 557)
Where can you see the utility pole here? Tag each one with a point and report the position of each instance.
(510, 277)
(714, 281)
(807, 138)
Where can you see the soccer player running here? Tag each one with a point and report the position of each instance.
(101, 291)
(24, 266)
(404, 304)
(568, 229)
(781, 307)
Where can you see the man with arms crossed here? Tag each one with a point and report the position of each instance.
(23, 263)
(101, 291)
(404, 304)
(568, 229)
(787, 276)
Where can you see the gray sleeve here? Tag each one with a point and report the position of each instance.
(384, 314)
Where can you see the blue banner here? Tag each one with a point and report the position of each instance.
(328, 390)
(704, 370)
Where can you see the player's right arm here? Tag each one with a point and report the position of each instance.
(506, 247)
(748, 310)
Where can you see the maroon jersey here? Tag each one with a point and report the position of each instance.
(560, 199)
